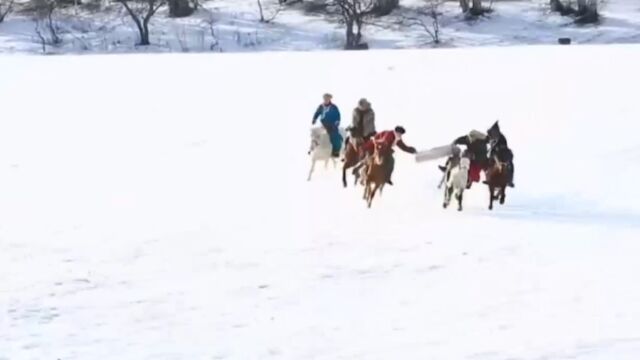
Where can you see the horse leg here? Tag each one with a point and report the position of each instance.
(491, 197)
(344, 175)
(372, 194)
(447, 196)
(503, 195)
(313, 165)
(362, 175)
(442, 181)
(326, 163)
(459, 196)
(366, 191)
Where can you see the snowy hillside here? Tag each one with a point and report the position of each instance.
(147, 214)
(234, 26)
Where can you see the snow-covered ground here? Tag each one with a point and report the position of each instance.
(236, 28)
(156, 214)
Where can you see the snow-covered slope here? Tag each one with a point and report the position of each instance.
(155, 207)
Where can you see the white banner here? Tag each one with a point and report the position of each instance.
(436, 153)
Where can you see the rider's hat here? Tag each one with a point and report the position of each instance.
(400, 130)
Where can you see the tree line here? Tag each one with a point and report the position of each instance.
(352, 14)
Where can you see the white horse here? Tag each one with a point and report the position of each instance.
(457, 182)
(320, 149)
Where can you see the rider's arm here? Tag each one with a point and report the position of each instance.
(316, 114)
(354, 119)
(462, 140)
(405, 148)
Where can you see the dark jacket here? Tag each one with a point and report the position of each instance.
(477, 147)
(496, 144)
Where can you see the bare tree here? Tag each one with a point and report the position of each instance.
(473, 10)
(6, 7)
(43, 19)
(476, 7)
(180, 8)
(427, 18)
(464, 5)
(274, 13)
(587, 12)
(354, 13)
(141, 12)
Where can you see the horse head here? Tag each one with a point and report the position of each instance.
(379, 153)
(316, 136)
(465, 163)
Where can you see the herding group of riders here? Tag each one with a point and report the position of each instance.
(363, 133)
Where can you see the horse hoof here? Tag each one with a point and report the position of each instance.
(444, 206)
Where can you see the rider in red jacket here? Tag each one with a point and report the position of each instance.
(388, 139)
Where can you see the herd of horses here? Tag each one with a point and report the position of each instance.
(372, 176)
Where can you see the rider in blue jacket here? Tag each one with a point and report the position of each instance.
(330, 119)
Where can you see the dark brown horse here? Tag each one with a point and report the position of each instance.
(376, 173)
(497, 175)
(351, 159)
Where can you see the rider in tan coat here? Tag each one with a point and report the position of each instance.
(363, 123)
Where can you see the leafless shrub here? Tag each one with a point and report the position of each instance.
(267, 19)
(427, 18)
(210, 21)
(45, 27)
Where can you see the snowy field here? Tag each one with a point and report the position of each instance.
(151, 214)
(234, 26)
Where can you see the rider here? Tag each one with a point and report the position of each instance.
(387, 140)
(498, 148)
(363, 124)
(476, 143)
(329, 115)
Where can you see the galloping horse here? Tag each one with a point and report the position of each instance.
(351, 159)
(376, 173)
(497, 176)
(457, 178)
(320, 149)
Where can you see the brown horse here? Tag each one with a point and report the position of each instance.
(376, 174)
(497, 176)
(351, 159)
